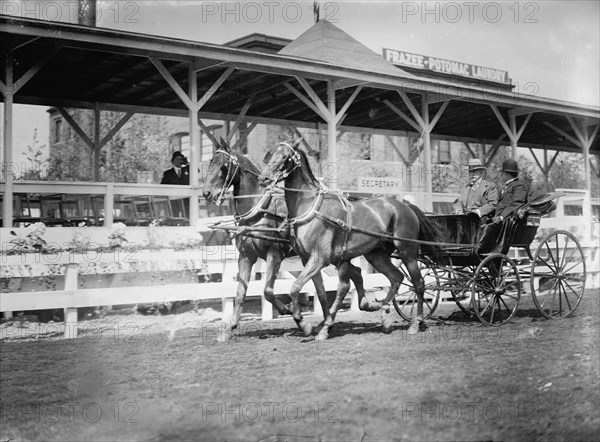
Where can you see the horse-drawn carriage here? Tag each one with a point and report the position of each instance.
(489, 286)
(325, 228)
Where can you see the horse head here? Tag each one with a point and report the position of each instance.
(221, 172)
(280, 161)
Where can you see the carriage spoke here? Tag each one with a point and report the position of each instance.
(555, 268)
(567, 276)
(565, 249)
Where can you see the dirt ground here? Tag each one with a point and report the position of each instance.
(167, 379)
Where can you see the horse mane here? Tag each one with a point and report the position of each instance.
(305, 166)
(246, 163)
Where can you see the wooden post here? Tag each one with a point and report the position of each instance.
(427, 155)
(194, 143)
(109, 205)
(7, 202)
(332, 136)
(71, 274)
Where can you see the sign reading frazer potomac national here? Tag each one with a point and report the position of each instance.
(424, 62)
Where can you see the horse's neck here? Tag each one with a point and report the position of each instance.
(248, 185)
(299, 202)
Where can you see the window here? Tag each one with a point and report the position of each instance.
(365, 147)
(57, 129)
(444, 152)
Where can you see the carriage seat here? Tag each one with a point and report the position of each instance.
(520, 228)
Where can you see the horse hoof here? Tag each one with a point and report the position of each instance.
(413, 329)
(224, 336)
(322, 336)
(305, 327)
(367, 306)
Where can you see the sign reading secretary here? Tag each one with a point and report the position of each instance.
(440, 65)
(387, 185)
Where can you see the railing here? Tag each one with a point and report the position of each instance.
(221, 260)
(105, 203)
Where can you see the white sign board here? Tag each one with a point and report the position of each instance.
(387, 185)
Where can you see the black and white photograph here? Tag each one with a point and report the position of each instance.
(299, 221)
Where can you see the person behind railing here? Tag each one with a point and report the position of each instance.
(512, 198)
(479, 196)
(179, 173)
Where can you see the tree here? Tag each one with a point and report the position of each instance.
(36, 167)
(141, 145)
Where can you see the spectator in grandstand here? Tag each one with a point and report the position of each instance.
(479, 196)
(179, 173)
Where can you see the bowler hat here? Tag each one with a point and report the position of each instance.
(510, 166)
(175, 155)
(475, 164)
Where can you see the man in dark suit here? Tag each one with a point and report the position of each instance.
(513, 197)
(179, 173)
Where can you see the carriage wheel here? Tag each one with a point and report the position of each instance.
(405, 301)
(460, 283)
(496, 290)
(559, 269)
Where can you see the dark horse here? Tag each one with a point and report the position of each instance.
(256, 209)
(328, 229)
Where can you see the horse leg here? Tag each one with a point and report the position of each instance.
(312, 267)
(345, 273)
(382, 262)
(324, 326)
(245, 265)
(412, 265)
(274, 259)
(363, 303)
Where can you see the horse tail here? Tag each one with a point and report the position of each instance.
(430, 231)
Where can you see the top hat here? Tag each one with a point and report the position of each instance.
(176, 154)
(475, 164)
(510, 166)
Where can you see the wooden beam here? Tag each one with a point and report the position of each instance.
(411, 107)
(494, 149)
(564, 134)
(211, 91)
(523, 126)
(239, 118)
(244, 135)
(115, 129)
(405, 117)
(207, 132)
(189, 103)
(314, 97)
(87, 140)
(500, 118)
(517, 111)
(473, 154)
(396, 148)
(542, 168)
(306, 101)
(35, 69)
(346, 105)
(437, 116)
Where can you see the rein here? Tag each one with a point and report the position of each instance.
(346, 226)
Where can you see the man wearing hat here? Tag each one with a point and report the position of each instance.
(479, 196)
(179, 173)
(513, 197)
(514, 194)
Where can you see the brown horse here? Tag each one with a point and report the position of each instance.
(328, 229)
(256, 209)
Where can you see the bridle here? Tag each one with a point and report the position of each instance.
(231, 173)
(295, 157)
